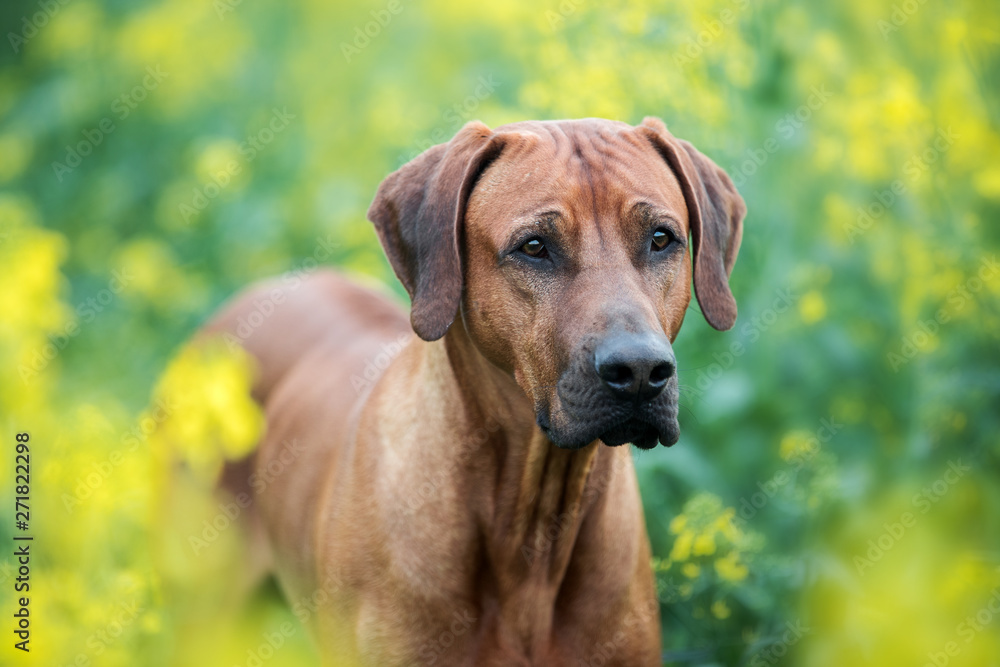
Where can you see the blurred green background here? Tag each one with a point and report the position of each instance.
(834, 496)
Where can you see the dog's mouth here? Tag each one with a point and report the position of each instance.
(643, 427)
(635, 431)
(581, 410)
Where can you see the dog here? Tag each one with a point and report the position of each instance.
(463, 499)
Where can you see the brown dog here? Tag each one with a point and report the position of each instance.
(461, 509)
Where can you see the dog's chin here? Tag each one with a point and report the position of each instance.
(642, 435)
(638, 432)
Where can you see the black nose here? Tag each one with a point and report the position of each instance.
(635, 365)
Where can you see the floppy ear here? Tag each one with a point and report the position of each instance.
(715, 211)
(417, 213)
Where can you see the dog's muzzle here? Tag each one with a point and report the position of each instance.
(626, 393)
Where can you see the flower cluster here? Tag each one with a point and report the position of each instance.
(710, 553)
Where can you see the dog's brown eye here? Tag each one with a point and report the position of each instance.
(534, 248)
(661, 239)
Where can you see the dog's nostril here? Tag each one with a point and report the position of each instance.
(616, 374)
(661, 373)
(634, 367)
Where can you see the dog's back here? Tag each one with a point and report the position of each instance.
(291, 327)
(282, 320)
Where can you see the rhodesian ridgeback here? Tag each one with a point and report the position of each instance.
(463, 499)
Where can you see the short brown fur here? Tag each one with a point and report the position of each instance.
(430, 512)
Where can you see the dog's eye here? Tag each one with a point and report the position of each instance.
(661, 239)
(534, 247)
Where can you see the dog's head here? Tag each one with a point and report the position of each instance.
(564, 247)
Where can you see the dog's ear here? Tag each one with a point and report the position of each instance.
(715, 211)
(418, 211)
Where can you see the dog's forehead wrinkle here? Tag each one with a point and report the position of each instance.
(584, 171)
(550, 226)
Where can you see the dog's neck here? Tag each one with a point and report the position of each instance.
(531, 497)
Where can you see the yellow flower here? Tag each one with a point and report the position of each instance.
(691, 570)
(723, 525)
(704, 545)
(796, 445)
(678, 523)
(812, 307)
(682, 546)
(730, 569)
(211, 413)
(720, 609)
(156, 277)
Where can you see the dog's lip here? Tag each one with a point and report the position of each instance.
(643, 425)
(632, 430)
(636, 431)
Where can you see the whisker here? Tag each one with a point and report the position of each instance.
(679, 404)
(694, 368)
(684, 389)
